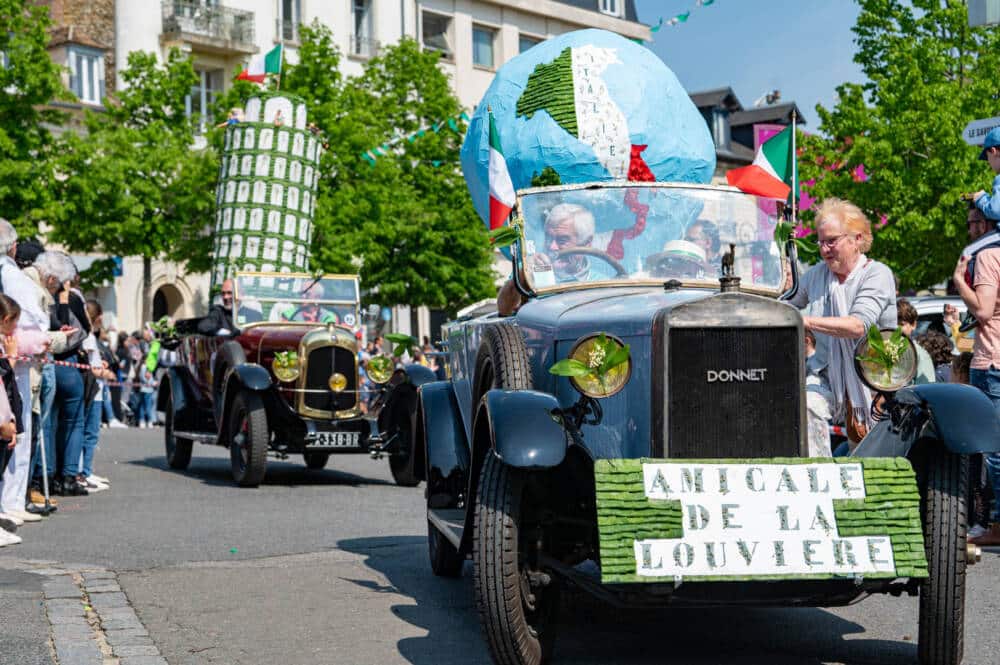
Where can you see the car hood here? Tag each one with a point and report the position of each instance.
(625, 312)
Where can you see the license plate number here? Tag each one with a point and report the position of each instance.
(336, 440)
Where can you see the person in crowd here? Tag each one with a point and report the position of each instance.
(906, 314)
(8, 439)
(940, 348)
(57, 271)
(984, 371)
(122, 360)
(219, 320)
(680, 259)
(9, 314)
(145, 417)
(842, 297)
(705, 234)
(111, 390)
(951, 324)
(33, 321)
(94, 383)
(989, 204)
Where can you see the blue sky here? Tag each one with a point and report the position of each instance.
(801, 47)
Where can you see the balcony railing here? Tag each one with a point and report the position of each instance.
(206, 21)
(364, 47)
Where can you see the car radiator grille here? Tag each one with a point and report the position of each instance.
(737, 419)
(323, 362)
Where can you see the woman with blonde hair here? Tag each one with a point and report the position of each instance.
(841, 298)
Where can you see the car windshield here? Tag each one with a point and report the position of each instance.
(641, 233)
(296, 298)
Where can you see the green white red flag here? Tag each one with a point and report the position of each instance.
(772, 169)
(501, 186)
(261, 66)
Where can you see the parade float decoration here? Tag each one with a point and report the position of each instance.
(266, 196)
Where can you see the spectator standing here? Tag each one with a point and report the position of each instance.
(984, 371)
(940, 348)
(94, 384)
(843, 296)
(907, 317)
(32, 320)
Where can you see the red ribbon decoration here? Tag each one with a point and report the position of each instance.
(638, 171)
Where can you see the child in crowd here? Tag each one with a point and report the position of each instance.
(147, 385)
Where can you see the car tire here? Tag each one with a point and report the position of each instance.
(316, 461)
(445, 559)
(249, 439)
(942, 596)
(502, 361)
(178, 450)
(518, 617)
(401, 412)
(229, 355)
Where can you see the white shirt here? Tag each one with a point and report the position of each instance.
(24, 292)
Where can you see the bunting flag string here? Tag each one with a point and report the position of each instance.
(372, 155)
(680, 18)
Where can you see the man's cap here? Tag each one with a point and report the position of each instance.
(27, 252)
(992, 140)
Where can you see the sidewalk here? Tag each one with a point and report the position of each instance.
(24, 628)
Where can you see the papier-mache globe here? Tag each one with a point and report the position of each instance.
(584, 104)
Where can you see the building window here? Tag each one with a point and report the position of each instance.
(290, 19)
(362, 40)
(524, 42)
(612, 7)
(482, 45)
(198, 105)
(435, 32)
(86, 73)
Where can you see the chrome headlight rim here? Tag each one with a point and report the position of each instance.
(866, 372)
(380, 376)
(578, 346)
(286, 373)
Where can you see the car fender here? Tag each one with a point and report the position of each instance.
(248, 376)
(419, 375)
(962, 417)
(442, 444)
(525, 428)
(181, 387)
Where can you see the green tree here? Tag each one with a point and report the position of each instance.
(928, 74)
(408, 220)
(28, 82)
(133, 185)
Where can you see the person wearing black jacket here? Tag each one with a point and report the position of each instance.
(219, 320)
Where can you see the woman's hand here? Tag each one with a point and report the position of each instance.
(9, 431)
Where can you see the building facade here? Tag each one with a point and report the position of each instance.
(93, 38)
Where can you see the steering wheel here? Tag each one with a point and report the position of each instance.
(597, 253)
(321, 312)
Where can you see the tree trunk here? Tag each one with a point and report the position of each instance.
(147, 284)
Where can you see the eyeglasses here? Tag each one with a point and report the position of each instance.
(830, 243)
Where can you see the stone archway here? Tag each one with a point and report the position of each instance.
(167, 301)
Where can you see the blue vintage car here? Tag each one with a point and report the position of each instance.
(544, 479)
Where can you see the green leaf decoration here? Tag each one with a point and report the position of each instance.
(569, 367)
(505, 236)
(549, 177)
(616, 358)
(397, 340)
(808, 251)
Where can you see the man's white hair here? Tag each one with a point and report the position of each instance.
(583, 220)
(8, 236)
(54, 263)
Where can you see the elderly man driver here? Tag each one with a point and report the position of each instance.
(24, 291)
(568, 225)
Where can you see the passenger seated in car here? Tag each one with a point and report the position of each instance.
(219, 320)
(310, 312)
(680, 259)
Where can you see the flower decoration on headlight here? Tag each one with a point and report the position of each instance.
(598, 366)
(286, 366)
(380, 369)
(885, 359)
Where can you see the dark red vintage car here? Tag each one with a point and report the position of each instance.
(285, 382)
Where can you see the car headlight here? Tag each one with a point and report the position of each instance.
(286, 366)
(337, 382)
(592, 352)
(871, 365)
(380, 369)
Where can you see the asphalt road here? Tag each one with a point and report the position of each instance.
(331, 567)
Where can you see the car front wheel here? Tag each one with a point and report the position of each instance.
(517, 600)
(942, 596)
(248, 439)
(178, 450)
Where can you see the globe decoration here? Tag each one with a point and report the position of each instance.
(592, 106)
(266, 197)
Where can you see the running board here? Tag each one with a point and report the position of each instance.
(450, 522)
(200, 437)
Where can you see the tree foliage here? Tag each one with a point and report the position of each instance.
(894, 145)
(133, 185)
(28, 82)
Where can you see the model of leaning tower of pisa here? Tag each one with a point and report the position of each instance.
(266, 195)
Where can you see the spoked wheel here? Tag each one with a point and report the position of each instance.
(517, 600)
(942, 596)
(249, 438)
(316, 461)
(178, 450)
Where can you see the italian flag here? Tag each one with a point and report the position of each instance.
(771, 173)
(261, 66)
(501, 187)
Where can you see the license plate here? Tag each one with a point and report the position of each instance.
(336, 440)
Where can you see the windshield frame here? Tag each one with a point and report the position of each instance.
(519, 249)
(355, 303)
